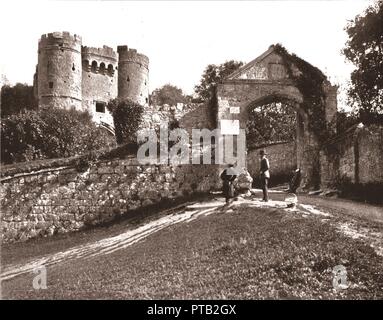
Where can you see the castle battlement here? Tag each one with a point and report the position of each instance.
(86, 78)
(131, 55)
(104, 52)
(57, 38)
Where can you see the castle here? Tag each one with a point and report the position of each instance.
(69, 74)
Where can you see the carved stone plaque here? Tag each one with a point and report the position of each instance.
(277, 71)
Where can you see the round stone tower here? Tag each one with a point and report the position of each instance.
(133, 75)
(59, 71)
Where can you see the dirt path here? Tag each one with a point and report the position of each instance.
(109, 245)
(309, 207)
(347, 207)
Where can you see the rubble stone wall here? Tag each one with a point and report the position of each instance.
(282, 159)
(60, 200)
(357, 158)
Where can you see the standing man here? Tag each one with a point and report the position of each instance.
(265, 174)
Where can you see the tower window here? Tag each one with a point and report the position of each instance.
(102, 67)
(94, 66)
(128, 79)
(73, 67)
(50, 85)
(110, 69)
(100, 107)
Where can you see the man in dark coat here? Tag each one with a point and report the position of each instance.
(265, 174)
(228, 176)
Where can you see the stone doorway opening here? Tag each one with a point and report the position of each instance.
(272, 124)
(277, 77)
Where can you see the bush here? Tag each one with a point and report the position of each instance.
(168, 94)
(127, 117)
(50, 133)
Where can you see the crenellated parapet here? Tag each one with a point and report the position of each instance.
(104, 52)
(133, 75)
(60, 40)
(99, 60)
(59, 72)
(131, 55)
(86, 78)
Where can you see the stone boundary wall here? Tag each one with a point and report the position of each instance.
(61, 199)
(358, 158)
(187, 116)
(282, 158)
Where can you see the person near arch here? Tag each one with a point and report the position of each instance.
(264, 174)
(228, 176)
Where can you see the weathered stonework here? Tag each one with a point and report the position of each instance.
(266, 80)
(59, 70)
(99, 81)
(186, 116)
(133, 75)
(63, 200)
(282, 159)
(86, 78)
(358, 158)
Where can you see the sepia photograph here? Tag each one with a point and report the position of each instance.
(195, 155)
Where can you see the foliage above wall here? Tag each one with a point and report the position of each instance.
(50, 133)
(16, 98)
(213, 75)
(168, 94)
(127, 117)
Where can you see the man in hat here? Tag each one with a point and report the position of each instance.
(265, 174)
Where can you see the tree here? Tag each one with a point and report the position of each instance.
(168, 94)
(364, 49)
(345, 120)
(3, 80)
(16, 98)
(213, 75)
(127, 117)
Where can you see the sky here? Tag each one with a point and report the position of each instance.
(182, 37)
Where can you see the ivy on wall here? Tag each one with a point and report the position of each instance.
(310, 82)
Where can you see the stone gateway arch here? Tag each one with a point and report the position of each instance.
(277, 76)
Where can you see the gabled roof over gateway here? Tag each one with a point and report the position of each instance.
(270, 65)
